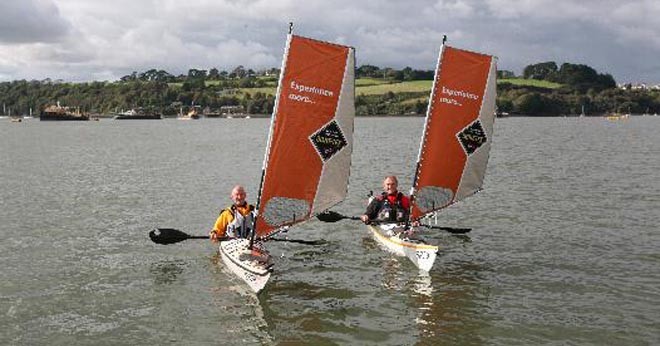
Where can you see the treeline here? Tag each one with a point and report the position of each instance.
(576, 87)
(407, 74)
(157, 92)
(569, 89)
(581, 89)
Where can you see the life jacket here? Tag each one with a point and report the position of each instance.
(241, 226)
(391, 211)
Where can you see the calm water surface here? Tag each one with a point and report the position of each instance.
(565, 246)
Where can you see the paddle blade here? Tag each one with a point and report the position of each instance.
(167, 236)
(330, 216)
(453, 230)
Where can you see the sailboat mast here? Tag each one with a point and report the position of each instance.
(270, 132)
(426, 123)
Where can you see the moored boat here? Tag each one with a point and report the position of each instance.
(60, 113)
(192, 114)
(136, 115)
(616, 116)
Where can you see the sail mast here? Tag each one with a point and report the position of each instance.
(307, 164)
(457, 132)
(426, 122)
(270, 131)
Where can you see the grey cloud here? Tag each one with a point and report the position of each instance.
(113, 38)
(29, 21)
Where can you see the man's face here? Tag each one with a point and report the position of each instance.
(390, 186)
(238, 196)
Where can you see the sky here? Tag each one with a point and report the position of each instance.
(86, 40)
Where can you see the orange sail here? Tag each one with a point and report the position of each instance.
(308, 155)
(458, 131)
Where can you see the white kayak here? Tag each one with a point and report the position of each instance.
(392, 239)
(254, 265)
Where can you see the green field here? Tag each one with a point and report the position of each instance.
(365, 82)
(374, 86)
(530, 82)
(379, 89)
(252, 91)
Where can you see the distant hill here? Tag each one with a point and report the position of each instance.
(544, 89)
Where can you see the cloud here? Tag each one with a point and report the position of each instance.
(82, 39)
(31, 21)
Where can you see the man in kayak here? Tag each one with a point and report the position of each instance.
(391, 205)
(236, 220)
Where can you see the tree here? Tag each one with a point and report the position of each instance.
(582, 78)
(195, 73)
(214, 74)
(130, 77)
(407, 73)
(238, 72)
(541, 71)
(504, 74)
(193, 84)
(368, 71)
(529, 104)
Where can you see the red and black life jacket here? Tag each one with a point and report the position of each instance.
(391, 211)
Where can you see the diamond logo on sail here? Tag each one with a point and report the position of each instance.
(472, 137)
(328, 140)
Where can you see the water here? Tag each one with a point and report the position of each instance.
(564, 246)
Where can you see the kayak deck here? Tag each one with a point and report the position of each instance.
(253, 266)
(392, 239)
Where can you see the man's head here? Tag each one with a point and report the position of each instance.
(238, 195)
(390, 185)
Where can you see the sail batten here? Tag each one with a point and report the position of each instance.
(311, 137)
(457, 133)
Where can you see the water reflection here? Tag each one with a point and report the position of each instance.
(166, 272)
(446, 300)
(243, 314)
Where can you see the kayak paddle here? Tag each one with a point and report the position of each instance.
(166, 236)
(332, 216)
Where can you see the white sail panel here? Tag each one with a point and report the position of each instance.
(475, 166)
(333, 184)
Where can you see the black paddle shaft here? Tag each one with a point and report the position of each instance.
(333, 216)
(166, 236)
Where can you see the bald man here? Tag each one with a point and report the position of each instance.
(235, 221)
(390, 206)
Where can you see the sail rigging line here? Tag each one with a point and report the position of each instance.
(270, 131)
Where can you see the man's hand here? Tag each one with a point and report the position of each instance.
(213, 236)
(365, 219)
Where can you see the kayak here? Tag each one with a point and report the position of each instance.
(254, 265)
(392, 239)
